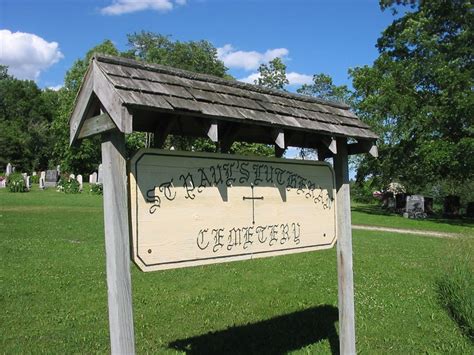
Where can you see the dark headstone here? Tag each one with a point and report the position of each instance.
(451, 206)
(386, 199)
(391, 203)
(401, 201)
(429, 205)
(51, 178)
(470, 210)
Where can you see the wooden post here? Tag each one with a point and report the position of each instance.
(344, 251)
(117, 243)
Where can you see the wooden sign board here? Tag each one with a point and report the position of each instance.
(192, 209)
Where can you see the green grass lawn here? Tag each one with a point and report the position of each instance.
(373, 215)
(53, 291)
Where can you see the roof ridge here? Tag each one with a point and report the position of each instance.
(213, 79)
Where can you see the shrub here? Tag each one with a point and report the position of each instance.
(34, 179)
(16, 183)
(362, 192)
(68, 186)
(455, 287)
(96, 189)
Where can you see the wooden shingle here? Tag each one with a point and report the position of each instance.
(139, 86)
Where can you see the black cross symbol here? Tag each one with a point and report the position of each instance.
(253, 198)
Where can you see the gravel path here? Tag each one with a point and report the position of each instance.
(406, 231)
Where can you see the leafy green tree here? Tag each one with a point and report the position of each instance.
(273, 75)
(418, 95)
(25, 116)
(196, 56)
(323, 87)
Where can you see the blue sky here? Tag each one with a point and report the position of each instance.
(40, 40)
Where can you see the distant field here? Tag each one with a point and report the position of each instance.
(53, 291)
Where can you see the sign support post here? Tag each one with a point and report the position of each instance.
(344, 251)
(117, 243)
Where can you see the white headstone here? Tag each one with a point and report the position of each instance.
(9, 169)
(72, 176)
(42, 180)
(24, 175)
(3, 183)
(93, 178)
(58, 169)
(79, 180)
(100, 175)
(34, 173)
(27, 182)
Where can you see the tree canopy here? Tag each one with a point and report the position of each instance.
(26, 113)
(418, 96)
(272, 75)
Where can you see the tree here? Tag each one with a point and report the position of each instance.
(418, 96)
(273, 75)
(196, 56)
(324, 88)
(25, 116)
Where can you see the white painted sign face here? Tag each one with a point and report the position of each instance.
(192, 209)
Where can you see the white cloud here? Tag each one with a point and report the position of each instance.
(248, 60)
(299, 79)
(56, 87)
(27, 54)
(119, 7)
(251, 78)
(293, 78)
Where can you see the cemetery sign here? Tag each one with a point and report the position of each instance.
(191, 209)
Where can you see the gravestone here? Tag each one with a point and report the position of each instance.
(415, 205)
(42, 180)
(24, 176)
(58, 169)
(27, 182)
(34, 173)
(72, 176)
(100, 175)
(451, 206)
(391, 203)
(51, 179)
(470, 209)
(429, 205)
(9, 169)
(3, 182)
(79, 180)
(93, 178)
(401, 201)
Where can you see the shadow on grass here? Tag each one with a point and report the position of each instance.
(372, 209)
(278, 335)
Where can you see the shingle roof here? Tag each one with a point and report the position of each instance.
(144, 86)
